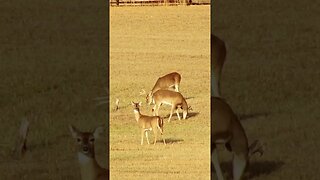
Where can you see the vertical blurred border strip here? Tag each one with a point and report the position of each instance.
(211, 79)
(107, 4)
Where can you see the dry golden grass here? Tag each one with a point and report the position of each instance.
(146, 43)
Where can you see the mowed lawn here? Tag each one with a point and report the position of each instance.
(146, 43)
(271, 79)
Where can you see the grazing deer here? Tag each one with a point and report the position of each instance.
(90, 169)
(218, 57)
(171, 80)
(175, 99)
(148, 123)
(226, 129)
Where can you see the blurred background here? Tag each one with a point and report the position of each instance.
(270, 79)
(53, 63)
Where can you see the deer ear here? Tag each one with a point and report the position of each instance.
(132, 103)
(140, 103)
(74, 131)
(98, 132)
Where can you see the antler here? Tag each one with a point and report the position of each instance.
(256, 147)
(142, 92)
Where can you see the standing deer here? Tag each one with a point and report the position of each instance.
(171, 80)
(148, 123)
(175, 99)
(90, 169)
(226, 129)
(218, 57)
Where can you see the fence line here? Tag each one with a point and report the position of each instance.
(157, 2)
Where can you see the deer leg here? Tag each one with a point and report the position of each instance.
(170, 114)
(142, 134)
(240, 150)
(155, 136)
(239, 165)
(146, 132)
(216, 163)
(178, 114)
(161, 132)
(176, 87)
(184, 114)
(164, 141)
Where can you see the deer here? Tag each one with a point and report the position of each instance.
(175, 99)
(226, 129)
(148, 123)
(171, 80)
(218, 57)
(90, 169)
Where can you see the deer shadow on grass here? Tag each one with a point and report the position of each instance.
(243, 117)
(170, 140)
(189, 97)
(258, 168)
(190, 114)
(254, 169)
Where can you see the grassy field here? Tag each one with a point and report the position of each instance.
(146, 43)
(52, 66)
(271, 81)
